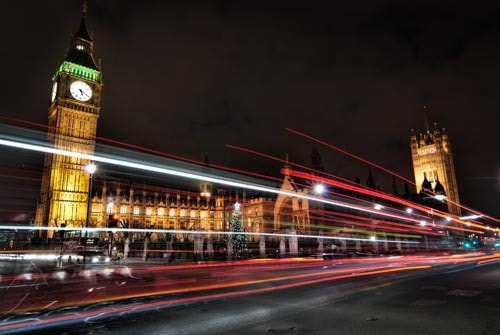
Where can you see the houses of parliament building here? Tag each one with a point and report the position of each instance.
(69, 197)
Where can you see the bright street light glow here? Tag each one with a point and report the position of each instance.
(319, 188)
(90, 168)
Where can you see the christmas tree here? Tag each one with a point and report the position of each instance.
(237, 235)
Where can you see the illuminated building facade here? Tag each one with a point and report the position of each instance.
(292, 212)
(433, 166)
(73, 113)
(66, 197)
(148, 206)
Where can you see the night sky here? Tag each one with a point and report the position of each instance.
(189, 77)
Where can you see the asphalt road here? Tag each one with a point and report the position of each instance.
(457, 299)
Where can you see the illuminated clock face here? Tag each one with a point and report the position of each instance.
(54, 92)
(80, 91)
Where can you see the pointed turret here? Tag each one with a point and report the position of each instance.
(316, 163)
(81, 47)
(394, 187)
(439, 188)
(82, 30)
(426, 184)
(287, 168)
(370, 182)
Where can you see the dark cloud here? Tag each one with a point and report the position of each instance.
(189, 77)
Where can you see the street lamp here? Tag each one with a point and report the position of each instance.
(90, 168)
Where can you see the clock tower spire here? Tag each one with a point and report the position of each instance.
(75, 104)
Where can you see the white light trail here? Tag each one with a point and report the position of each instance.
(182, 174)
(194, 232)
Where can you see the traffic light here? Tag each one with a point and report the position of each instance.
(113, 221)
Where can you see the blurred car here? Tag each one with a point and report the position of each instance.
(492, 243)
(93, 257)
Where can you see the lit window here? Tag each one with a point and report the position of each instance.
(183, 212)
(136, 211)
(149, 211)
(79, 47)
(171, 212)
(160, 211)
(123, 210)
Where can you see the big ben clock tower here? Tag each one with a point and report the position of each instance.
(75, 103)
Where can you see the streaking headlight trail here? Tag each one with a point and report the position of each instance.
(178, 172)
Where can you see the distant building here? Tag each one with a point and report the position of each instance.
(433, 166)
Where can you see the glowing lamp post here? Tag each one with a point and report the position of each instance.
(90, 168)
(112, 223)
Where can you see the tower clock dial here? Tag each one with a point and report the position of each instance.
(80, 90)
(54, 92)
